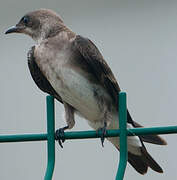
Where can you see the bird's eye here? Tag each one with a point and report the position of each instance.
(25, 20)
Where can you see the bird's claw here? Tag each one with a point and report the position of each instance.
(59, 136)
(102, 132)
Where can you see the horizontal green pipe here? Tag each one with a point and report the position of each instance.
(115, 132)
(89, 134)
(153, 130)
(23, 137)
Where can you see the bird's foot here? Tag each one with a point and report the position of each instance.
(59, 135)
(102, 133)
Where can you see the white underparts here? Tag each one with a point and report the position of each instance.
(76, 90)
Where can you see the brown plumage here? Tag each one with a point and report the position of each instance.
(64, 65)
(97, 66)
(141, 163)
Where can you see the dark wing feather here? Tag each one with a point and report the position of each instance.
(38, 77)
(141, 163)
(154, 139)
(97, 66)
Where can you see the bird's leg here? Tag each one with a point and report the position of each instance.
(59, 135)
(103, 133)
(107, 118)
(69, 117)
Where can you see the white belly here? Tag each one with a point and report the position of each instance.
(78, 92)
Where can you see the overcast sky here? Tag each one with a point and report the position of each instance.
(138, 39)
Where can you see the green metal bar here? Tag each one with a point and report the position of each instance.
(116, 132)
(89, 134)
(153, 130)
(122, 132)
(22, 137)
(50, 138)
(123, 136)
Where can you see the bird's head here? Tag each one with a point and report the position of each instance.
(39, 24)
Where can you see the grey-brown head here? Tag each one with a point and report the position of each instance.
(39, 24)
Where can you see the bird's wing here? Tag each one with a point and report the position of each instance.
(38, 77)
(97, 65)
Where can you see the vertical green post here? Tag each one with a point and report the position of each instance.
(50, 138)
(123, 136)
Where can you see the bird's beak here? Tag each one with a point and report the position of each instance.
(14, 29)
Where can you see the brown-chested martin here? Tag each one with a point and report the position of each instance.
(71, 68)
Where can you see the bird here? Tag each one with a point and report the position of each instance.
(70, 67)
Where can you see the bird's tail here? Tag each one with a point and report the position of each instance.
(143, 161)
(138, 156)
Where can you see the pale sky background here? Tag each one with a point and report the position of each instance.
(138, 38)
